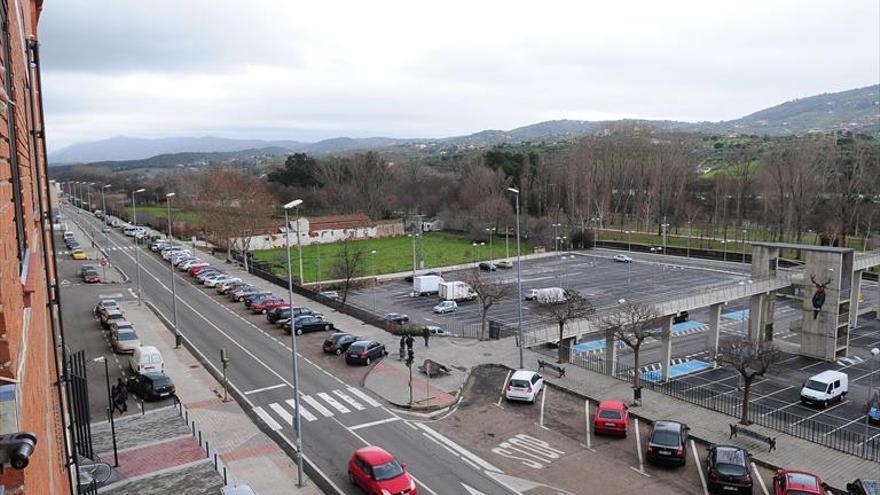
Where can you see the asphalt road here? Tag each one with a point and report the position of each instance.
(261, 371)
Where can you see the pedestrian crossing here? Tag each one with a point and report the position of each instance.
(313, 407)
(121, 248)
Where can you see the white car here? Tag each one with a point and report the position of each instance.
(168, 253)
(124, 341)
(622, 258)
(445, 307)
(213, 281)
(223, 287)
(186, 265)
(436, 331)
(524, 385)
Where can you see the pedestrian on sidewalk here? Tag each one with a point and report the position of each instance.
(402, 344)
(122, 390)
(426, 334)
(113, 396)
(409, 342)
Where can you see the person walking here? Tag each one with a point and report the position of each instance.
(122, 391)
(113, 397)
(409, 342)
(426, 334)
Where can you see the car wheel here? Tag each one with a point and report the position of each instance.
(327, 328)
(299, 331)
(384, 352)
(338, 352)
(263, 312)
(351, 478)
(369, 361)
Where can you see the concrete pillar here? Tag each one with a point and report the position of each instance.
(714, 327)
(877, 302)
(854, 299)
(768, 313)
(610, 353)
(756, 314)
(666, 342)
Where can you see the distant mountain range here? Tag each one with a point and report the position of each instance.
(857, 110)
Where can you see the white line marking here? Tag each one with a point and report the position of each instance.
(364, 397)
(699, 468)
(503, 388)
(334, 403)
(302, 412)
(267, 419)
(823, 411)
(458, 448)
(374, 423)
(641, 468)
(317, 406)
(760, 479)
(543, 398)
(258, 390)
(286, 416)
(587, 423)
(347, 398)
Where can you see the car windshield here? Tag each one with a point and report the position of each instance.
(803, 480)
(357, 347)
(730, 462)
(161, 381)
(91, 273)
(387, 471)
(127, 336)
(606, 414)
(816, 385)
(519, 383)
(666, 437)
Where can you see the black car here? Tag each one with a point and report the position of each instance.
(151, 385)
(365, 352)
(234, 295)
(310, 323)
(279, 313)
(863, 487)
(727, 470)
(680, 317)
(338, 343)
(488, 267)
(667, 443)
(398, 318)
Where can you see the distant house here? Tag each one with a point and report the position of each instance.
(324, 230)
(432, 225)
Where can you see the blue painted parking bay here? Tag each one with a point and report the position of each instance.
(677, 370)
(736, 315)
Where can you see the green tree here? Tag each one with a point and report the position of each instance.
(299, 170)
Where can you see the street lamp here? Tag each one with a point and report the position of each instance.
(476, 246)
(689, 239)
(137, 252)
(491, 230)
(556, 235)
(102, 359)
(518, 280)
(173, 292)
(724, 248)
(744, 246)
(104, 209)
(296, 204)
(629, 246)
(874, 352)
(413, 252)
(297, 420)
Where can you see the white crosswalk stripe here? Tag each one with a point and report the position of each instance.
(286, 416)
(312, 407)
(302, 412)
(333, 403)
(347, 398)
(267, 419)
(364, 397)
(317, 406)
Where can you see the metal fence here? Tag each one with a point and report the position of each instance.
(730, 403)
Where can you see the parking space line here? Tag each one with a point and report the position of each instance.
(760, 479)
(587, 421)
(699, 468)
(258, 390)
(461, 450)
(543, 398)
(819, 413)
(857, 420)
(641, 469)
(772, 393)
(503, 388)
(781, 408)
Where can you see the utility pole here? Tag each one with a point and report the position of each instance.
(224, 360)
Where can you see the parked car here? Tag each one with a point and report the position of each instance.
(213, 281)
(242, 489)
(311, 323)
(208, 274)
(825, 388)
(78, 254)
(505, 264)
(437, 331)
(789, 482)
(249, 294)
(364, 352)
(874, 411)
(68, 235)
(727, 470)
(445, 307)
(337, 343)
(84, 268)
(91, 277)
(158, 244)
(524, 385)
(667, 443)
(121, 325)
(238, 294)
(104, 305)
(297, 314)
(256, 298)
(146, 358)
(151, 385)
(622, 258)
(863, 487)
(278, 313)
(224, 286)
(124, 341)
(196, 270)
(184, 266)
(330, 294)
(612, 418)
(74, 244)
(376, 471)
(267, 303)
(111, 315)
(398, 318)
(487, 266)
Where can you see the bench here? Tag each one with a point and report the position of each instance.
(736, 430)
(555, 367)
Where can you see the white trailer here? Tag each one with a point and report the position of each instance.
(548, 295)
(456, 291)
(427, 284)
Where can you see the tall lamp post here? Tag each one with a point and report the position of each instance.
(689, 239)
(89, 195)
(173, 290)
(102, 359)
(518, 280)
(744, 246)
(491, 230)
(556, 236)
(414, 235)
(874, 352)
(104, 209)
(297, 420)
(137, 252)
(724, 248)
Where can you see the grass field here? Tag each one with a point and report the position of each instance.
(190, 217)
(393, 254)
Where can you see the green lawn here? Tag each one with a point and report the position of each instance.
(190, 217)
(393, 254)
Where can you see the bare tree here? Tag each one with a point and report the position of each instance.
(631, 324)
(488, 291)
(349, 263)
(750, 358)
(573, 307)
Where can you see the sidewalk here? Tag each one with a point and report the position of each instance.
(249, 455)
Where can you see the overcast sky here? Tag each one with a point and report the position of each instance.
(312, 70)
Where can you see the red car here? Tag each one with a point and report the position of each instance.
(612, 417)
(91, 277)
(266, 304)
(197, 270)
(786, 482)
(377, 471)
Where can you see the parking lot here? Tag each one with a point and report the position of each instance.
(594, 274)
(545, 446)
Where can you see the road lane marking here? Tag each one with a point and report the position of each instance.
(503, 388)
(699, 468)
(375, 423)
(258, 390)
(641, 469)
(267, 419)
(760, 479)
(317, 406)
(364, 397)
(334, 403)
(347, 398)
(543, 398)
(302, 412)
(286, 416)
(587, 423)
(458, 448)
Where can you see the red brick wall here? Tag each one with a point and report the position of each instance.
(27, 347)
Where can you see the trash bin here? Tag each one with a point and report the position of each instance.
(494, 330)
(637, 395)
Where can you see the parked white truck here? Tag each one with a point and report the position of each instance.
(456, 291)
(427, 284)
(547, 295)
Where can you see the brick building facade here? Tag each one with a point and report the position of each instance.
(31, 398)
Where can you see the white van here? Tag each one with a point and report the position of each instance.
(146, 358)
(825, 388)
